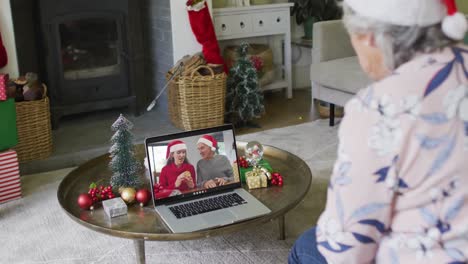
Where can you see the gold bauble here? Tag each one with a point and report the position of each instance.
(128, 195)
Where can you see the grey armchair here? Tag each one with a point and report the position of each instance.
(335, 73)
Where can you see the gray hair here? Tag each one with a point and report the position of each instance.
(399, 44)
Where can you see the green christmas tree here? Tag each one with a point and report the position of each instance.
(123, 164)
(244, 100)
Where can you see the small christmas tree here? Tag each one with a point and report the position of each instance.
(123, 164)
(244, 100)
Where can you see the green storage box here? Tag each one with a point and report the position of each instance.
(8, 132)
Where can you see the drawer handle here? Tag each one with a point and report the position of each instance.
(223, 27)
(260, 22)
(278, 19)
(242, 25)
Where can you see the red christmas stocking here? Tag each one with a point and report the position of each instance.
(3, 54)
(203, 29)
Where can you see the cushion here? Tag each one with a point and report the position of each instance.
(340, 74)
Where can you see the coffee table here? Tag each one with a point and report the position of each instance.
(143, 223)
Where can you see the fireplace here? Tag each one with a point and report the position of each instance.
(90, 54)
(95, 55)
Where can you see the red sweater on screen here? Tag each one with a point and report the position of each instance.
(169, 175)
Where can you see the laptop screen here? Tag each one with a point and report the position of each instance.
(192, 163)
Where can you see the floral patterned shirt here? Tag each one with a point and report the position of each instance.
(399, 189)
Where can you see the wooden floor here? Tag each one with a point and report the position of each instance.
(281, 112)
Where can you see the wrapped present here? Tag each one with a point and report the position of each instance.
(114, 207)
(10, 184)
(262, 163)
(3, 86)
(8, 131)
(256, 179)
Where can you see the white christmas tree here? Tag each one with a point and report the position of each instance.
(123, 164)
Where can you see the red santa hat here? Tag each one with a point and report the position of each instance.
(415, 13)
(174, 146)
(209, 140)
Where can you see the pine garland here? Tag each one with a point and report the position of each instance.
(123, 164)
(244, 99)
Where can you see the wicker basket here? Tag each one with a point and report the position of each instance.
(197, 101)
(34, 129)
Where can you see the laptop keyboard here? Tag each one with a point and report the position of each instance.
(207, 205)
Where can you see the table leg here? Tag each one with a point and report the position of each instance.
(139, 245)
(282, 234)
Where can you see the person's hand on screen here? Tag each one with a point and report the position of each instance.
(221, 181)
(209, 184)
(180, 179)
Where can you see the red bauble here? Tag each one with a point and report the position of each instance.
(85, 201)
(143, 196)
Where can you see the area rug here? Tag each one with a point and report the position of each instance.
(35, 229)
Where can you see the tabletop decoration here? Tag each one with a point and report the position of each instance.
(115, 207)
(85, 201)
(124, 165)
(256, 178)
(128, 194)
(143, 196)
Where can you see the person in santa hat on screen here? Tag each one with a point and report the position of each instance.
(213, 169)
(178, 172)
(398, 191)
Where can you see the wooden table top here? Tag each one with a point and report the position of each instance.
(145, 223)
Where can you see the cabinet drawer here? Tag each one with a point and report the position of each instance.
(232, 25)
(275, 21)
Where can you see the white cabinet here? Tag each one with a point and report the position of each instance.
(257, 21)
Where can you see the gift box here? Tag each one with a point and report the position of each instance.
(256, 179)
(8, 131)
(114, 207)
(3, 86)
(262, 163)
(10, 184)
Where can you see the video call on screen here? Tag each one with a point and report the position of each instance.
(196, 168)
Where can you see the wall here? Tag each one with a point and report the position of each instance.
(8, 37)
(159, 37)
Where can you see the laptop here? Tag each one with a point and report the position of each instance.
(193, 180)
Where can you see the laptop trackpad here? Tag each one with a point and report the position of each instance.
(222, 217)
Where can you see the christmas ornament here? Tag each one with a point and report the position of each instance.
(100, 193)
(85, 201)
(124, 165)
(243, 162)
(276, 179)
(254, 152)
(143, 196)
(128, 194)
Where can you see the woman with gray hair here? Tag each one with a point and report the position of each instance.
(398, 190)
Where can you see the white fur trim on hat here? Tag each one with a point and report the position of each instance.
(206, 142)
(401, 12)
(177, 147)
(455, 26)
